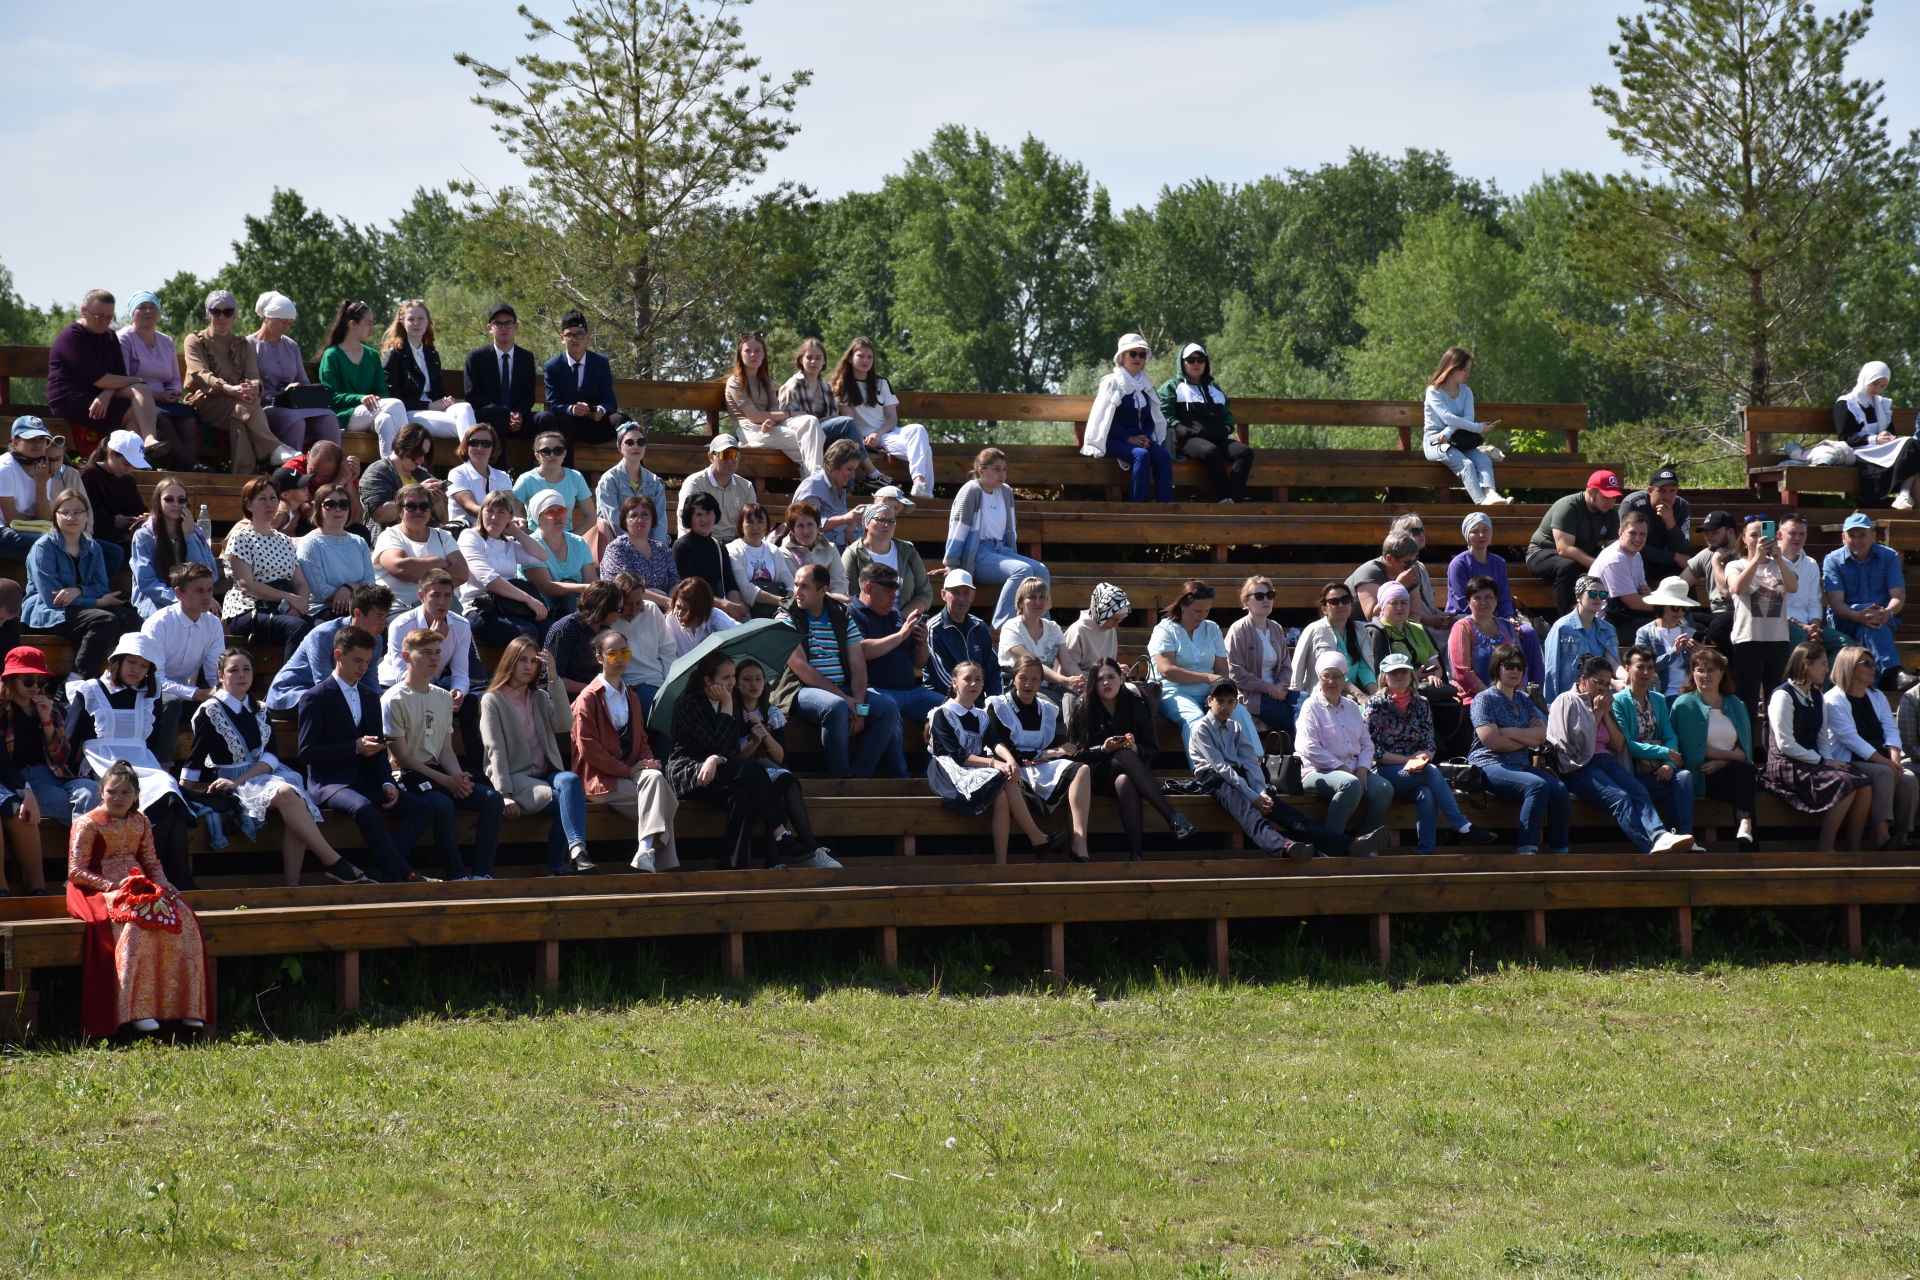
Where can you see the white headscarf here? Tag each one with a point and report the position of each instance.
(1859, 400)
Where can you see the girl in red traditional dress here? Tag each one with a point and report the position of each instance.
(143, 960)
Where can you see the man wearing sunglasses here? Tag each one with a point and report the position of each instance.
(501, 378)
(720, 480)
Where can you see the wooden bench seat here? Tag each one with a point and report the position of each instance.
(1806, 425)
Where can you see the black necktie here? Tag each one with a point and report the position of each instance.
(506, 375)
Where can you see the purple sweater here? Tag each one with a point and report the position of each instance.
(1462, 569)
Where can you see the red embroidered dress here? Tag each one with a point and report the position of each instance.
(143, 956)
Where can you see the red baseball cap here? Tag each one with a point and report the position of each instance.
(1607, 483)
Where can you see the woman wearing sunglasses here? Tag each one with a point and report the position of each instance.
(1334, 630)
(333, 558)
(627, 479)
(1578, 634)
(1126, 423)
(1257, 657)
(480, 472)
(1508, 727)
(169, 537)
(552, 473)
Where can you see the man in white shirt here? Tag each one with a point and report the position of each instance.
(1806, 604)
(1624, 575)
(418, 718)
(190, 639)
(453, 672)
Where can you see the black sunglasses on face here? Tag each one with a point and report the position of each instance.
(221, 311)
(416, 506)
(1513, 666)
(636, 442)
(551, 452)
(341, 504)
(1260, 595)
(478, 444)
(1338, 600)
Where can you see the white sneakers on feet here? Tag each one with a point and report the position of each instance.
(922, 488)
(1903, 501)
(1673, 842)
(643, 862)
(1494, 452)
(818, 860)
(284, 454)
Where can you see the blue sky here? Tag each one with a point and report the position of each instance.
(181, 118)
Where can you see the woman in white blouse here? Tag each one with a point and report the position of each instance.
(477, 475)
(498, 604)
(863, 393)
(1030, 633)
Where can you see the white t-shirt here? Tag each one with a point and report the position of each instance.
(873, 417)
(993, 516)
(17, 484)
(438, 542)
(1621, 572)
(1761, 613)
(465, 479)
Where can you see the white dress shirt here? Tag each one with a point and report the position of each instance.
(189, 650)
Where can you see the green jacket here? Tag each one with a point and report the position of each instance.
(1629, 718)
(1191, 417)
(1690, 727)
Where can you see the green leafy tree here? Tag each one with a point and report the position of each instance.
(1766, 162)
(1172, 269)
(1451, 282)
(637, 131)
(995, 258)
(313, 258)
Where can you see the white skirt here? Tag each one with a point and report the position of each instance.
(256, 793)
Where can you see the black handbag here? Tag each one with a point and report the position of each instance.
(488, 602)
(1464, 440)
(308, 395)
(1284, 774)
(1466, 778)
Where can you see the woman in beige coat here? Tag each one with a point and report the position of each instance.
(522, 726)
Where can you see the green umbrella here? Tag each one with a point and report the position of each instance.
(767, 641)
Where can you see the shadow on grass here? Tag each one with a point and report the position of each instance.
(291, 997)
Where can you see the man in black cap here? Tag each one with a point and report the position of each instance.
(502, 378)
(1720, 530)
(1669, 524)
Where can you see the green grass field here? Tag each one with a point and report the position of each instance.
(1721, 1121)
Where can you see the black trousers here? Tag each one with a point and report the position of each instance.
(746, 790)
(1735, 784)
(93, 633)
(1758, 668)
(1558, 570)
(1228, 462)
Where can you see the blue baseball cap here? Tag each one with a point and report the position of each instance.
(1858, 520)
(27, 427)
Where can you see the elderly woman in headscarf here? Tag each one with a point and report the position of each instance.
(1126, 423)
(1095, 633)
(223, 386)
(281, 368)
(1479, 560)
(1203, 426)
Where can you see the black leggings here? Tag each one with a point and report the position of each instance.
(1758, 667)
(1735, 785)
(746, 790)
(1132, 782)
(170, 820)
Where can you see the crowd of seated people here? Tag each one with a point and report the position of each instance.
(387, 589)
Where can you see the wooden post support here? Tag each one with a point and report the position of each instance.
(1850, 927)
(886, 946)
(1380, 937)
(346, 982)
(909, 845)
(1683, 927)
(1053, 944)
(1219, 553)
(1217, 954)
(546, 963)
(733, 957)
(1535, 925)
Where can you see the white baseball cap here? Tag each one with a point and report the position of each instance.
(893, 491)
(130, 446)
(956, 578)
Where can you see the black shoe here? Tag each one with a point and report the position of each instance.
(1080, 857)
(201, 468)
(1479, 835)
(1298, 850)
(1182, 826)
(1053, 844)
(414, 877)
(1748, 844)
(344, 872)
(873, 481)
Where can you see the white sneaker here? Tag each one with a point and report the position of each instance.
(922, 488)
(643, 862)
(1673, 842)
(1903, 501)
(1226, 502)
(818, 860)
(1494, 452)
(283, 455)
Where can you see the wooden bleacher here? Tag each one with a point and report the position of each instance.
(1767, 465)
(912, 863)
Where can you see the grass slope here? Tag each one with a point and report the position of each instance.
(1525, 1122)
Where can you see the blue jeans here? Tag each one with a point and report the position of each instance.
(1275, 712)
(1880, 640)
(484, 801)
(841, 428)
(915, 703)
(881, 738)
(1344, 795)
(1474, 468)
(1674, 798)
(58, 800)
(14, 544)
(995, 563)
(1542, 797)
(1151, 468)
(1185, 710)
(1606, 782)
(569, 830)
(1432, 799)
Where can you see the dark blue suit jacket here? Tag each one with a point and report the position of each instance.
(595, 387)
(329, 742)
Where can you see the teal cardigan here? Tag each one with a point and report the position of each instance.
(1690, 726)
(1628, 716)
